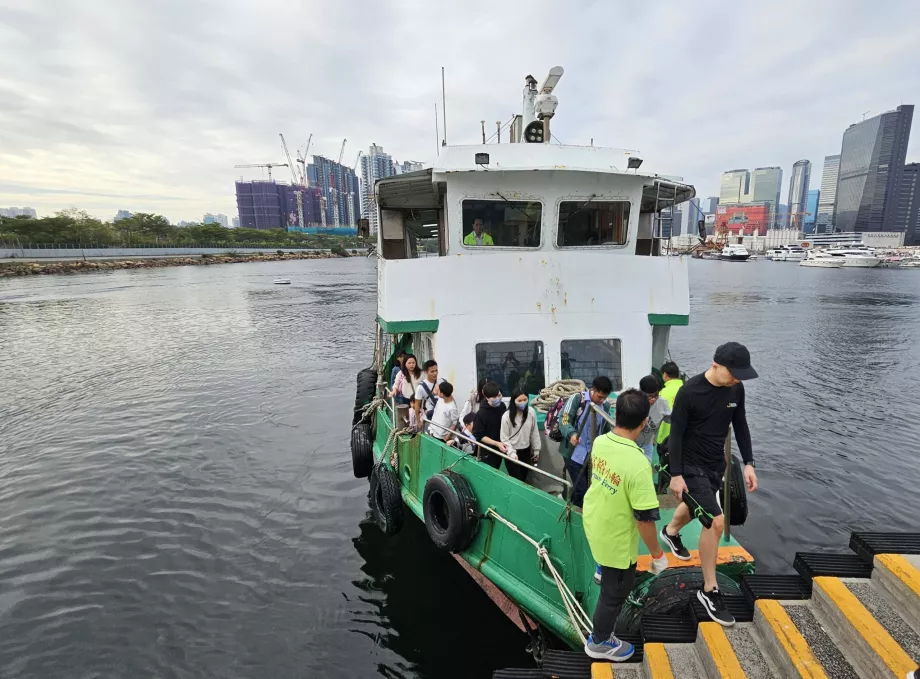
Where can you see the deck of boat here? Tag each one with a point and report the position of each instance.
(842, 615)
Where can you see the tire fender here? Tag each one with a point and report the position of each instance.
(362, 450)
(451, 512)
(386, 500)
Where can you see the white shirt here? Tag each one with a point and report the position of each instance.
(522, 434)
(428, 402)
(446, 416)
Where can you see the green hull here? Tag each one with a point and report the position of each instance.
(506, 558)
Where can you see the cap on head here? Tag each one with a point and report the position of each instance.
(737, 359)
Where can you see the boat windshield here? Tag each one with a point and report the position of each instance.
(588, 222)
(586, 359)
(502, 223)
(512, 364)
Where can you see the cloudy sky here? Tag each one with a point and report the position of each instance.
(147, 105)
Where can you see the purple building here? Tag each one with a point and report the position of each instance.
(270, 205)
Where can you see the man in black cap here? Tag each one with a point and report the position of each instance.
(704, 409)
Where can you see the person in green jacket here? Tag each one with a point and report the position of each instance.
(670, 375)
(476, 236)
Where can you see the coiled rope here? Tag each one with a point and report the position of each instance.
(577, 616)
(559, 389)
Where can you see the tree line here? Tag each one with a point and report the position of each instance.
(75, 227)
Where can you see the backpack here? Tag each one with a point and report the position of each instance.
(553, 415)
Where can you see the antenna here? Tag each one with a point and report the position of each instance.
(437, 133)
(444, 107)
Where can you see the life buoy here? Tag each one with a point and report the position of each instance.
(451, 514)
(362, 450)
(738, 490)
(364, 394)
(386, 500)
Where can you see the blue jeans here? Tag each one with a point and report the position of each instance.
(579, 485)
(649, 450)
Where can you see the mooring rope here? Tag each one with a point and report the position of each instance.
(577, 615)
(548, 396)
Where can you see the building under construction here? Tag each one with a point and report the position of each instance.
(338, 186)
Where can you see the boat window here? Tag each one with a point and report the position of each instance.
(593, 222)
(502, 223)
(586, 359)
(511, 364)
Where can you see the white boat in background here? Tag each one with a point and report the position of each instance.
(911, 262)
(788, 253)
(735, 253)
(822, 260)
(856, 256)
(282, 281)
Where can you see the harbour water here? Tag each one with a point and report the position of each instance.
(176, 497)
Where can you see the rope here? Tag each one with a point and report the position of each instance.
(577, 616)
(559, 389)
(376, 404)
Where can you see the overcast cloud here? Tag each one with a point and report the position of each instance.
(148, 105)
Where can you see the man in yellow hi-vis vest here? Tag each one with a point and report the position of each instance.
(476, 236)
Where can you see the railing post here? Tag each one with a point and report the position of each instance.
(726, 488)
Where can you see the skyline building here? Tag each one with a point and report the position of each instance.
(712, 202)
(122, 214)
(872, 156)
(219, 218)
(235, 223)
(811, 209)
(798, 194)
(766, 184)
(407, 167)
(339, 193)
(270, 205)
(907, 209)
(18, 212)
(734, 186)
(375, 165)
(694, 215)
(826, 205)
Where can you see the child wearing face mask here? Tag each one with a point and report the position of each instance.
(487, 426)
(519, 434)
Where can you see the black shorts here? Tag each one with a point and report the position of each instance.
(703, 484)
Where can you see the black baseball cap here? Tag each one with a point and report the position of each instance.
(737, 359)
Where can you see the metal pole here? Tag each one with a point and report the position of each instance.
(498, 124)
(726, 487)
(444, 106)
(483, 131)
(437, 132)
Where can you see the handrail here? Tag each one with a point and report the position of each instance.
(496, 452)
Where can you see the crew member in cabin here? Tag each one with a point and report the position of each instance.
(424, 400)
(520, 434)
(659, 413)
(704, 409)
(620, 507)
(476, 236)
(577, 435)
(487, 427)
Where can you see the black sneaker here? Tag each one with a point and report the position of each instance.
(676, 544)
(715, 607)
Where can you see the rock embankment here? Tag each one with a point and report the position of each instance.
(13, 268)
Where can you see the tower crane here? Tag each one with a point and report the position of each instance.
(267, 165)
(342, 151)
(297, 183)
(302, 159)
(358, 159)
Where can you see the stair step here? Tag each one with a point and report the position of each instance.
(748, 647)
(676, 628)
(566, 665)
(875, 602)
(684, 661)
(784, 643)
(782, 587)
(518, 674)
(716, 653)
(606, 670)
(899, 579)
(737, 604)
(816, 564)
(657, 662)
(867, 545)
(870, 647)
(819, 642)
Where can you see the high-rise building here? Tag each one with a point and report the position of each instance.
(781, 213)
(798, 194)
(219, 218)
(235, 223)
(407, 166)
(871, 165)
(270, 205)
(811, 211)
(825, 220)
(907, 209)
(18, 212)
(766, 183)
(711, 204)
(734, 186)
(122, 214)
(694, 215)
(339, 192)
(375, 165)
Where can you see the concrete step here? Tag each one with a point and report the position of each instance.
(867, 644)
(785, 645)
(749, 647)
(716, 653)
(898, 578)
(820, 643)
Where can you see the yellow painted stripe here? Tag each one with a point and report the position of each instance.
(601, 670)
(723, 655)
(656, 659)
(902, 569)
(728, 554)
(875, 636)
(792, 641)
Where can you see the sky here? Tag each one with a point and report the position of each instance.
(147, 105)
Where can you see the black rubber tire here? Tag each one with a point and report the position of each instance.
(364, 394)
(386, 500)
(362, 450)
(451, 513)
(739, 508)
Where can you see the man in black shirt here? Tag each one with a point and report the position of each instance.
(488, 423)
(703, 410)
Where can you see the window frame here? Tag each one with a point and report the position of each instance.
(582, 338)
(503, 248)
(510, 341)
(594, 198)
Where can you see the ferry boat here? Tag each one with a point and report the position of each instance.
(821, 260)
(735, 253)
(550, 222)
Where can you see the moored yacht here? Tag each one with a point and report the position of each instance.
(735, 253)
(822, 260)
(788, 253)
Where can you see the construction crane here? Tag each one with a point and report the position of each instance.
(342, 151)
(268, 165)
(358, 160)
(298, 182)
(302, 159)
